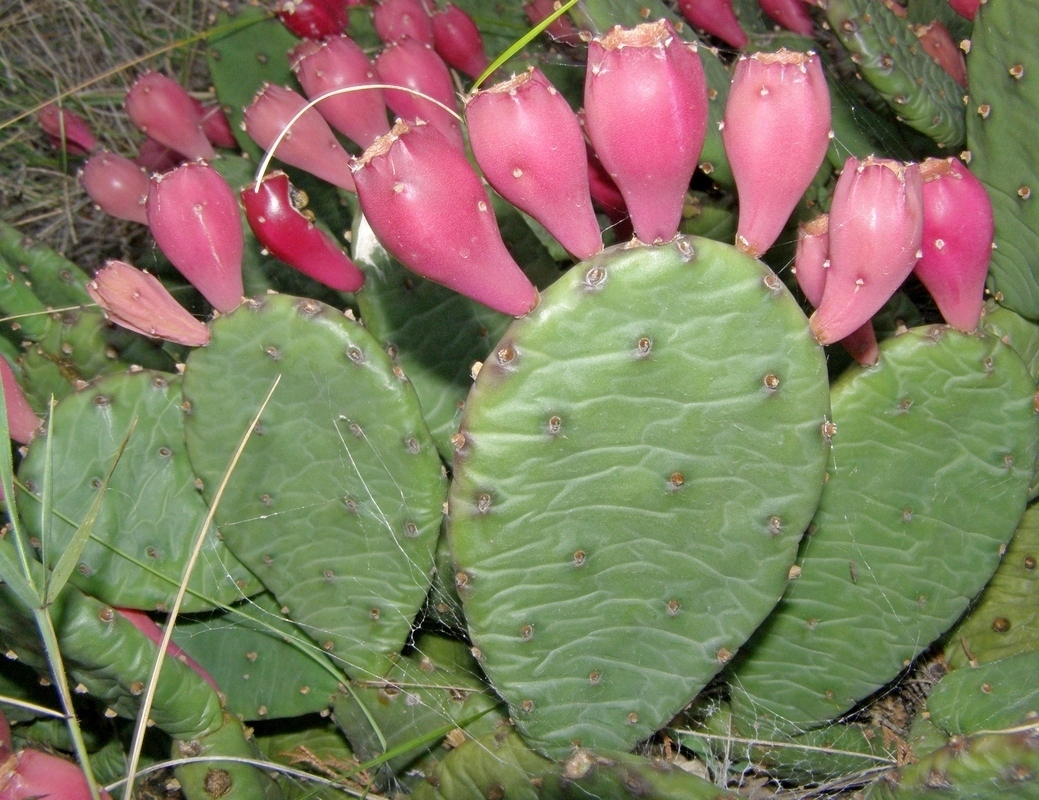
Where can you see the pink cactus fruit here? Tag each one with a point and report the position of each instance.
(313, 19)
(416, 66)
(155, 157)
(34, 775)
(139, 302)
(162, 109)
(428, 207)
(957, 240)
(529, 145)
(338, 63)
(965, 8)
(117, 185)
(457, 40)
(22, 422)
(65, 128)
(717, 18)
(790, 14)
(811, 263)
(645, 101)
(938, 44)
(196, 222)
(309, 143)
(289, 235)
(146, 625)
(396, 20)
(560, 30)
(776, 131)
(876, 227)
(215, 125)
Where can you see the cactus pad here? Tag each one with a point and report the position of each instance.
(668, 454)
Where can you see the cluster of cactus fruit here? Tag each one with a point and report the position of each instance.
(504, 441)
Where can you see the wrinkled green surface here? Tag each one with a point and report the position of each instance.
(306, 745)
(889, 56)
(337, 500)
(630, 493)
(263, 675)
(1002, 144)
(991, 697)
(1004, 620)
(152, 511)
(928, 478)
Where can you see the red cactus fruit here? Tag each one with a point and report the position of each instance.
(22, 422)
(32, 775)
(876, 225)
(293, 238)
(396, 20)
(560, 30)
(146, 625)
(811, 263)
(313, 19)
(139, 302)
(790, 14)
(645, 101)
(965, 8)
(153, 156)
(65, 128)
(196, 222)
(428, 207)
(775, 131)
(416, 66)
(717, 18)
(309, 143)
(509, 125)
(117, 185)
(162, 108)
(215, 125)
(938, 44)
(337, 63)
(457, 40)
(957, 240)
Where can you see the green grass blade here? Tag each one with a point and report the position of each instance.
(523, 41)
(17, 577)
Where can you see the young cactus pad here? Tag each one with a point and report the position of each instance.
(337, 500)
(912, 523)
(645, 450)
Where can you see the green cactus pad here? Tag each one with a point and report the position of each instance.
(1005, 618)
(639, 459)
(889, 56)
(55, 280)
(929, 475)
(262, 673)
(337, 500)
(215, 779)
(992, 697)
(152, 511)
(1003, 74)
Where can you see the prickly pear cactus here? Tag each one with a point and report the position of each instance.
(647, 463)
(337, 500)
(900, 542)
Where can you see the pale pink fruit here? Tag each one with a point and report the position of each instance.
(146, 625)
(338, 63)
(811, 264)
(162, 108)
(457, 40)
(876, 226)
(396, 20)
(194, 216)
(416, 66)
(309, 143)
(66, 128)
(938, 44)
(427, 206)
(717, 18)
(967, 9)
(139, 302)
(22, 422)
(117, 185)
(791, 14)
(313, 19)
(645, 101)
(529, 145)
(561, 29)
(293, 238)
(957, 240)
(776, 131)
(35, 775)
